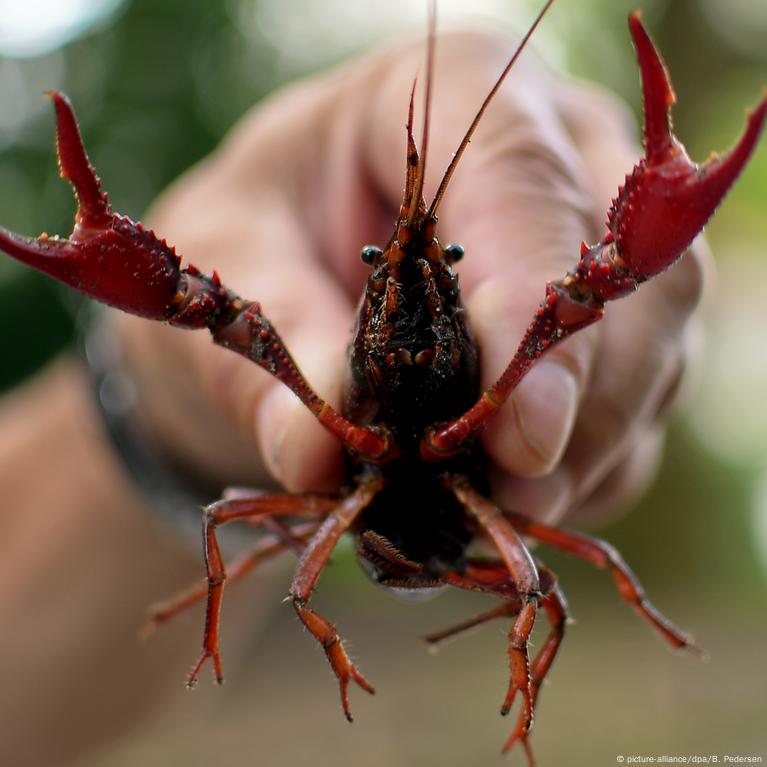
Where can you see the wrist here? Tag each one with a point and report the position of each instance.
(162, 480)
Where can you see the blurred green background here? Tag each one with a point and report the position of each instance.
(157, 83)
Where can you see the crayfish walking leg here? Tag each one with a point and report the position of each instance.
(492, 577)
(266, 548)
(603, 555)
(253, 510)
(307, 574)
(524, 576)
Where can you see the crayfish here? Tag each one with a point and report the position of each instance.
(415, 496)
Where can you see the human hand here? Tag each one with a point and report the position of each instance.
(282, 209)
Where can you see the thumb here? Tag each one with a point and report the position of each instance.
(520, 210)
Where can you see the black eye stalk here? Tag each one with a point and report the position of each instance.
(369, 254)
(454, 253)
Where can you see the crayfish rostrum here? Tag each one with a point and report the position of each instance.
(415, 496)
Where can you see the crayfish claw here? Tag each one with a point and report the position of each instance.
(94, 211)
(57, 257)
(108, 257)
(668, 199)
(658, 95)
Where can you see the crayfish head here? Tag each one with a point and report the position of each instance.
(412, 357)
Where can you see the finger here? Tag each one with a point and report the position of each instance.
(531, 435)
(557, 496)
(625, 484)
(258, 245)
(639, 362)
(520, 209)
(687, 379)
(638, 370)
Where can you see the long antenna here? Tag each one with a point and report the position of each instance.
(475, 122)
(421, 172)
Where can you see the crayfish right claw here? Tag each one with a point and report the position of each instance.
(658, 96)
(668, 199)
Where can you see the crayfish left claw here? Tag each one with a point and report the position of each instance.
(143, 274)
(667, 199)
(108, 257)
(93, 210)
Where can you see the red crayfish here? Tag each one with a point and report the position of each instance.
(415, 496)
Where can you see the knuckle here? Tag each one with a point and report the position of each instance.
(622, 481)
(622, 404)
(533, 210)
(528, 148)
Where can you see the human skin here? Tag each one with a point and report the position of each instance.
(281, 211)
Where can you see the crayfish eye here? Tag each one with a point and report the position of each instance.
(453, 253)
(369, 254)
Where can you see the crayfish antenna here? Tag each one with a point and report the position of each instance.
(412, 150)
(94, 210)
(416, 174)
(668, 199)
(481, 111)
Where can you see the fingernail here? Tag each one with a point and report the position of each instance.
(545, 403)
